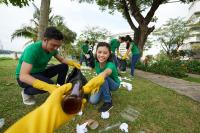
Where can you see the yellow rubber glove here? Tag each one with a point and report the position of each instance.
(124, 57)
(73, 63)
(118, 54)
(44, 86)
(47, 117)
(93, 85)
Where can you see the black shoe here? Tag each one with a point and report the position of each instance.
(105, 107)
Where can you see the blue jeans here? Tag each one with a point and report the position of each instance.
(115, 60)
(134, 60)
(83, 59)
(104, 91)
(60, 70)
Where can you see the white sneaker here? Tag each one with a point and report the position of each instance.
(27, 99)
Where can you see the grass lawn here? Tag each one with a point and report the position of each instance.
(192, 79)
(161, 110)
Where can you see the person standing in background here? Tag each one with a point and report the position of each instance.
(134, 51)
(122, 51)
(84, 52)
(114, 44)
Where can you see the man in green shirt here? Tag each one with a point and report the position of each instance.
(114, 44)
(31, 72)
(84, 52)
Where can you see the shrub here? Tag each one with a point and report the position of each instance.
(174, 68)
(193, 66)
(141, 66)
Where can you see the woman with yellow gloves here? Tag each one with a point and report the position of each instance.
(135, 53)
(107, 79)
(32, 73)
(50, 115)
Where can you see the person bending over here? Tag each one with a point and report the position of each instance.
(32, 73)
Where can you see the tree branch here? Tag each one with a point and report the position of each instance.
(154, 7)
(127, 15)
(135, 11)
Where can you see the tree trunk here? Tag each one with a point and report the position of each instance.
(141, 33)
(44, 16)
(140, 36)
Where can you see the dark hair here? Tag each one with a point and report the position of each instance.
(53, 33)
(128, 38)
(127, 45)
(122, 38)
(104, 44)
(86, 41)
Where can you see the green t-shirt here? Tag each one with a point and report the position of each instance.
(34, 54)
(85, 48)
(134, 50)
(114, 44)
(110, 65)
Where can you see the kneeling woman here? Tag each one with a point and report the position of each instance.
(107, 79)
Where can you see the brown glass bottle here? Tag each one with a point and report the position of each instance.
(71, 104)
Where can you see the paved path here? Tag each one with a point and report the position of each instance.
(183, 87)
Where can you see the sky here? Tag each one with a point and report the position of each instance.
(76, 17)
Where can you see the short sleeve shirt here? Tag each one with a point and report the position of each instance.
(85, 48)
(134, 50)
(34, 54)
(114, 44)
(110, 65)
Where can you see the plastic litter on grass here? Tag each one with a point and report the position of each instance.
(2, 122)
(130, 114)
(126, 85)
(105, 115)
(124, 127)
(81, 128)
(109, 127)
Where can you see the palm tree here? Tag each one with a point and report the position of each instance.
(31, 32)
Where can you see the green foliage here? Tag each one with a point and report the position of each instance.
(69, 49)
(78, 47)
(171, 36)
(174, 68)
(141, 66)
(58, 22)
(93, 34)
(193, 66)
(187, 53)
(31, 32)
(19, 3)
(26, 32)
(195, 49)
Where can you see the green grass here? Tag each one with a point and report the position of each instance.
(161, 110)
(192, 79)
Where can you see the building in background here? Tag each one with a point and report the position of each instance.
(192, 42)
